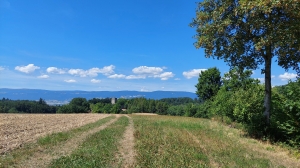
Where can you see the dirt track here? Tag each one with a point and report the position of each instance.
(17, 129)
(127, 152)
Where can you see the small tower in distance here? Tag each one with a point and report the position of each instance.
(113, 100)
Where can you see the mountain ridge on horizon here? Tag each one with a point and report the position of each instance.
(64, 96)
(95, 90)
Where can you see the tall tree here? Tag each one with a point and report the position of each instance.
(236, 79)
(209, 83)
(250, 33)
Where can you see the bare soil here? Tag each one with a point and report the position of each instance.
(18, 129)
(126, 155)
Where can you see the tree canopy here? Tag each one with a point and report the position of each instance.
(249, 33)
(209, 83)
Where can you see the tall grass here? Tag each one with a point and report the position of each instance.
(98, 150)
(164, 141)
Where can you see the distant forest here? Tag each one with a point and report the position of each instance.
(96, 105)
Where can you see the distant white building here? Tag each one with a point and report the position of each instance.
(113, 100)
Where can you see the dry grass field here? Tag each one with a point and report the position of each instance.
(132, 140)
(18, 129)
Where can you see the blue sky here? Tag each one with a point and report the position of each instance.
(104, 45)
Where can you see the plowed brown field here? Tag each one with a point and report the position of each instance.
(17, 129)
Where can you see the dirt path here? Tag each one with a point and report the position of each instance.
(44, 157)
(126, 155)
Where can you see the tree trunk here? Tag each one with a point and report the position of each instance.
(268, 86)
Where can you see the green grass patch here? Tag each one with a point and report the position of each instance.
(98, 150)
(17, 155)
(167, 141)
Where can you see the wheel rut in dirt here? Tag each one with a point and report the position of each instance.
(126, 154)
(44, 157)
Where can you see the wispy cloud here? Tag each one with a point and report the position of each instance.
(93, 72)
(1, 68)
(192, 73)
(287, 76)
(155, 72)
(43, 76)
(95, 81)
(27, 69)
(147, 70)
(165, 75)
(117, 76)
(70, 81)
(55, 70)
(135, 77)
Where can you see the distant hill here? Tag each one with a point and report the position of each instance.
(63, 97)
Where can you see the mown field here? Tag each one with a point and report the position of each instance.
(140, 141)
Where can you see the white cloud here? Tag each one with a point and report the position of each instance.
(70, 81)
(43, 76)
(93, 72)
(165, 75)
(147, 70)
(27, 69)
(1, 68)
(107, 70)
(117, 76)
(287, 76)
(177, 79)
(192, 73)
(135, 77)
(78, 72)
(95, 81)
(55, 70)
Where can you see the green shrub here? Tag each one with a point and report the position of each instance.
(223, 104)
(249, 109)
(176, 110)
(203, 110)
(285, 119)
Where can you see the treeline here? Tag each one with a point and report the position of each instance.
(26, 106)
(238, 99)
(166, 106)
(138, 105)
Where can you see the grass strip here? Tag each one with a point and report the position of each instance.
(168, 141)
(17, 155)
(98, 150)
(55, 138)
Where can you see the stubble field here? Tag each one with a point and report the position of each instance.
(18, 129)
